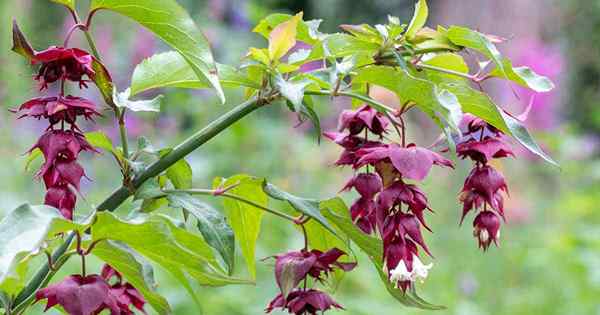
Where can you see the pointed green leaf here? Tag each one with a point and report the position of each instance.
(20, 44)
(170, 69)
(169, 21)
(524, 76)
(135, 269)
(33, 156)
(160, 240)
(245, 219)
(308, 207)
(99, 139)
(283, 37)
(211, 224)
(418, 20)
(180, 174)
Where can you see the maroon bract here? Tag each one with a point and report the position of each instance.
(410, 195)
(412, 162)
(61, 198)
(483, 151)
(292, 267)
(60, 63)
(123, 292)
(486, 228)
(80, 295)
(60, 144)
(356, 121)
(57, 109)
(366, 184)
(363, 213)
(486, 182)
(303, 302)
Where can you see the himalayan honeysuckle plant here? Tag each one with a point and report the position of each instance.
(425, 67)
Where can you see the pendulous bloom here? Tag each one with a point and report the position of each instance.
(59, 63)
(303, 302)
(357, 120)
(486, 228)
(294, 267)
(57, 109)
(484, 186)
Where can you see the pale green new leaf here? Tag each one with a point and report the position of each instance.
(169, 21)
(283, 37)
(135, 269)
(418, 20)
(293, 91)
(122, 100)
(170, 69)
(243, 218)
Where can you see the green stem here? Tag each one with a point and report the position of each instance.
(448, 71)
(90, 40)
(210, 192)
(123, 132)
(121, 194)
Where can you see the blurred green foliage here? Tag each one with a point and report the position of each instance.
(549, 259)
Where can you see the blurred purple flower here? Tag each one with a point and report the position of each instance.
(547, 60)
(144, 45)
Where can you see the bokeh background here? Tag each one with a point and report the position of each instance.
(549, 260)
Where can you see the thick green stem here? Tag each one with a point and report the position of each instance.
(210, 192)
(123, 132)
(121, 194)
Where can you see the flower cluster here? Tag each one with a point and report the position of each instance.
(295, 267)
(61, 145)
(388, 204)
(483, 187)
(92, 294)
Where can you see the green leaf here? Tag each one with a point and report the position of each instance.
(308, 207)
(67, 3)
(99, 139)
(524, 76)
(20, 44)
(339, 215)
(157, 238)
(180, 174)
(150, 189)
(170, 69)
(122, 100)
(33, 155)
(469, 38)
(103, 81)
(245, 219)
(449, 61)
(211, 224)
(418, 20)
(283, 37)
(135, 269)
(306, 31)
(434, 101)
(169, 21)
(23, 232)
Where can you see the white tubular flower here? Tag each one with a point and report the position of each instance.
(420, 271)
